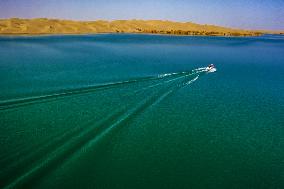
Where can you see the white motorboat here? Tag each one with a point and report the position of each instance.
(210, 68)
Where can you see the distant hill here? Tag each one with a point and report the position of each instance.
(17, 26)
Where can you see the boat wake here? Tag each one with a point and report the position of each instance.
(67, 146)
(12, 103)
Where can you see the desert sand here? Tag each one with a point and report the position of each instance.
(41, 26)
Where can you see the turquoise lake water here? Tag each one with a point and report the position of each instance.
(132, 111)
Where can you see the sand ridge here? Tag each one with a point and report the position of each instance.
(38, 26)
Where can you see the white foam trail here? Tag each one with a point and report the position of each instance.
(167, 74)
(198, 69)
(191, 81)
(204, 69)
(151, 86)
(195, 71)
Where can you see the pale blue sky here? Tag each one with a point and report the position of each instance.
(253, 14)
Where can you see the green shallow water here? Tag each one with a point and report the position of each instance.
(97, 111)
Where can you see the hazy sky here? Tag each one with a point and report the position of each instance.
(249, 14)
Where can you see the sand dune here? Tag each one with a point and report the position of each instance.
(16, 26)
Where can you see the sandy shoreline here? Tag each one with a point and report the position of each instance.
(90, 34)
(43, 26)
